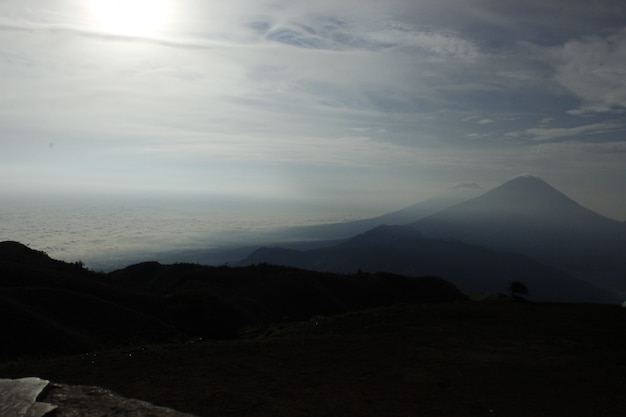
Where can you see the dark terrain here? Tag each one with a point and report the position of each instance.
(405, 251)
(493, 358)
(269, 341)
(56, 307)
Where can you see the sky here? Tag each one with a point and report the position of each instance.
(351, 103)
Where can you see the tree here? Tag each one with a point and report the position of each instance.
(517, 289)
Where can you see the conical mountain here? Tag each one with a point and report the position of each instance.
(528, 216)
(527, 193)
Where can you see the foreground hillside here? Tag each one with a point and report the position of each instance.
(497, 358)
(56, 307)
(276, 341)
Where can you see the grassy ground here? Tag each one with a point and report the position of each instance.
(492, 358)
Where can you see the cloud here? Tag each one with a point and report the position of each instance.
(54, 29)
(611, 148)
(338, 27)
(545, 121)
(568, 133)
(426, 39)
(311, 91)
(594, 69)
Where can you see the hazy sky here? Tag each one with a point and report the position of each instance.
(348, 102)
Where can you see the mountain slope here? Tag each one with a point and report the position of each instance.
(412, 213)
(526, 215)
(403, 250)
(56, 307)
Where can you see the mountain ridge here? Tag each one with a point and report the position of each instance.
(408, 214)
(524, 216)
(57, 307)
(405, 251)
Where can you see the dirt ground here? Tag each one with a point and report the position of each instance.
(458, 359)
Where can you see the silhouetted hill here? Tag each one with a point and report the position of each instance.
(15, 257)
(528, 216)
(269, 292)
(403, 250)
(17, 252)
(52, 306)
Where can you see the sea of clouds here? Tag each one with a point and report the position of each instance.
(110, 233)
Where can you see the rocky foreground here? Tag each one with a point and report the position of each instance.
(35, 397)
(490, 358)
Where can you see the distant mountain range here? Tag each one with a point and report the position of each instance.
(344, 230)
(523, 230)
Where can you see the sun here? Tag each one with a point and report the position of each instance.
(130, 17)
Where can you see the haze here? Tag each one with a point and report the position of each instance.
(329, 109)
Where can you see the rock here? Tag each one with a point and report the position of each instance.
(80, 401)
(35, 397)
(18, 398)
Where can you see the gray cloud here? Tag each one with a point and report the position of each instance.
(569, 133)
(77, 31)
(594, 69)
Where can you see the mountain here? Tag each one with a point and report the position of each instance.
(473, 269)
(412, 213)
(527, 215)
(55, 307)
(59, 307)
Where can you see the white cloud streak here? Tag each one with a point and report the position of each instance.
(569, 133)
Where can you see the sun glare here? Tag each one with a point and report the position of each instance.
(130, 17)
